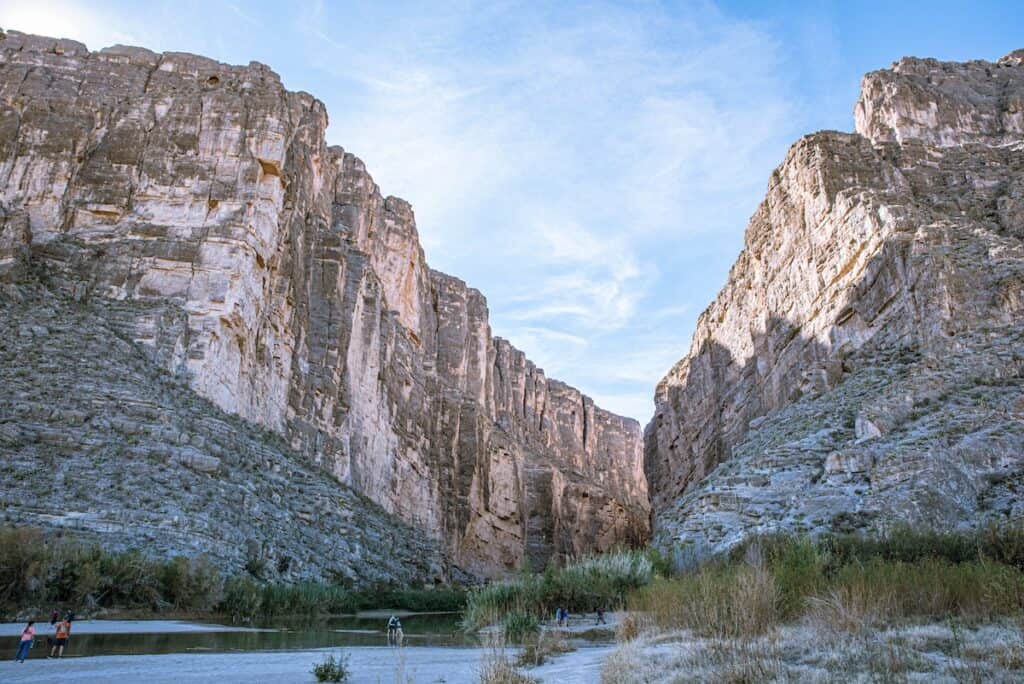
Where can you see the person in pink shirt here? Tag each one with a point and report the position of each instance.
(28, 635)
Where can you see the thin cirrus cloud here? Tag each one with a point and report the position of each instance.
(567, 163)
(589, 167)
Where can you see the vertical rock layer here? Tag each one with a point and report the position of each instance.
(199, 206)
(863, 362)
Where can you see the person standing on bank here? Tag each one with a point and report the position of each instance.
(28, 637)
(61, 637)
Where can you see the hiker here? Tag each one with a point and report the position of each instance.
(28, 637)
(61, 637)
(600, 617)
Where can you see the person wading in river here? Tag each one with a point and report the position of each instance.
(395, 630)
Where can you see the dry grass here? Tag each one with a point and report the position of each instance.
(730, 602)
(750, 596)
(497, 668)
(629, 627)
(545, 645)
(503, 672)
(621, 666)
(934, 652)
(844, 609)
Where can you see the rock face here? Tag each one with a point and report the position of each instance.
(100, 442)
(196, 207)
(863, 363)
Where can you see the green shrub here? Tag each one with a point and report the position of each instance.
(305, 598)
(418, 600)
(799, 572)
(332, 669)
(38, 569)
(517, 626)
(661, 564)
(242, 599)
(24, 557)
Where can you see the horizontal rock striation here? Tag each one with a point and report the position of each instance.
(198, 207)
(863, 363)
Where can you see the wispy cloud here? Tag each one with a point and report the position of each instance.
(579, 279)
(566, 160)
(589, 166)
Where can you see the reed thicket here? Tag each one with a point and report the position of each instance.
(584, 585)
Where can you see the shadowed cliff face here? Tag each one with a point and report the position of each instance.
(199, 206)
(863, 362)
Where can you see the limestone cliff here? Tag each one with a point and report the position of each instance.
(863, 363)
(196, 207)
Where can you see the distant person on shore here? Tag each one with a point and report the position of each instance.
(61, 636)
(54, 619)
(28, 637)
(600, 617)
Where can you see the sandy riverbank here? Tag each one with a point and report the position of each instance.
(368, 666)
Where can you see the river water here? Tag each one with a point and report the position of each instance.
(93, 638)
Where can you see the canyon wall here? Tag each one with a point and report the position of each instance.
(196, 208)
(863, 363)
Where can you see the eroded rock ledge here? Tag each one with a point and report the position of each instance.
(199, 208)
(863, 363)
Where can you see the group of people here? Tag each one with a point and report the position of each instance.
(57, 640)
(562, 617)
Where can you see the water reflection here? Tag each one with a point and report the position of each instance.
(420, 630)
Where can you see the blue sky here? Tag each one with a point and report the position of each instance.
(590, 167)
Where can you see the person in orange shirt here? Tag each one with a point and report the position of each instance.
(62, 635)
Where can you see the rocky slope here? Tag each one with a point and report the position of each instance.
(863, 363)
(196, 209)
(100, 442)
